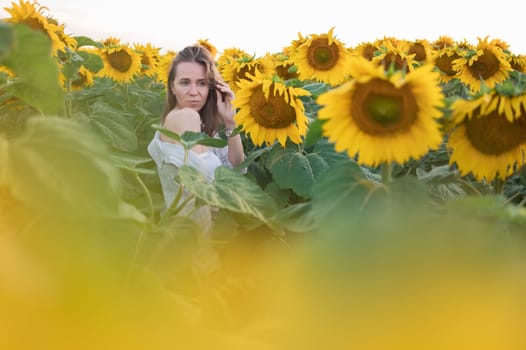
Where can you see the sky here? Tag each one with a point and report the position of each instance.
(258, 27)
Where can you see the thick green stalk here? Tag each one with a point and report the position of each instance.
(386, 169)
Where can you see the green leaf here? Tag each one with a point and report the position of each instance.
(6, 39)
(295, 170)
(190, 138)
(58, 166)
(86, 41)
(314, 134)
(316, 89)
(438, 175)
(297, 218)
(36, 70)
(339, 193)
(230, 190)
(91, 61)
(131, 163)
(115, 126)
(253, 156)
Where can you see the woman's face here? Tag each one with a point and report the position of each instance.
(190, 85)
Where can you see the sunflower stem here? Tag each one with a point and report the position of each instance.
(148, 197)
(386, 169)
(67, 100)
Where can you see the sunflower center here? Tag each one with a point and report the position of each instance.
(285, 72)
(120, 60)
(368, 51)
(419, 50)
(486, 66)
(445, 64)
(321, 55)
(272, 113)
(395, 59)
(380, 108)
(494, 134)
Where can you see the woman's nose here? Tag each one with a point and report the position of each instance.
(193, 89)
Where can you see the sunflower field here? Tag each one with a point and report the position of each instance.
(381, 205)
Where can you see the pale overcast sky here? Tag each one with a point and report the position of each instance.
(269, 25)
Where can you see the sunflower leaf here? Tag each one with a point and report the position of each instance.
(344, 186)
(116, 127)
(298, 171)
(91, 61)
(189, 138)
(87, 41)
(297, 217)
(36, 70)
(56, 166)
(231, 191)
(6, 38)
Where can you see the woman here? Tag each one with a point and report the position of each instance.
(198, 100)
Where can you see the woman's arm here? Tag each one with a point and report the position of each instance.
(236, 154)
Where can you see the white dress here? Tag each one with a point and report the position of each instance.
(168, 157)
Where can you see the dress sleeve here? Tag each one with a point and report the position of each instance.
(222, 154)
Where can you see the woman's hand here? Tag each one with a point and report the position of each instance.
(224, 104)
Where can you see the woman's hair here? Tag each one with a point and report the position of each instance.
(209, 114)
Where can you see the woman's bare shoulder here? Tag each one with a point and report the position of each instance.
(182, 118)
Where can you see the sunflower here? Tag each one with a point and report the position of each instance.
(209, 46)
(121, 63)
(69, 41)
(32, 15)
(394, 53)
(443, 42)
(489, 140)
(84, 79)
(487, 65)
(465, 45)
(443, 61)
(239, 70)
(501, 43)
(229, 55)
(366, 50)
(518, 62)
(421, 49)
(284, 67)
(294, 45)
(322, 58)
(111, 41)
(381, 117)
(149, 59)
(268, 110)
(165, 61)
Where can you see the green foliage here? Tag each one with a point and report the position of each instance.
(36, 70)
(115, 126)
(6, 39)
(57, 165)
(232, 191)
